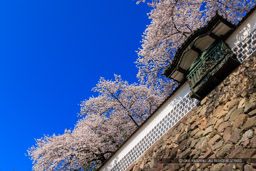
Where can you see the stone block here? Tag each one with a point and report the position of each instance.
(223, 126)
(234, 115)
(174, 152)
(249, 107)
(159, 166)
(239, 121)
(193, 142)
(187, 166)
(235, 152)
(228, 167)
(235, 136)
(212, 121)
(248, 134)
(185, 154)
(224, 151)
(229, 105)
(214, 139)
(199, 134)
(182, 137)
(245, 138)
(253, 142)
(249, 123)
(254, 158)
(203, 111)
(203, 123)
(217, 167)
(252, 113)
(192, 119)
(252, 98)
(207, 154)
(239, 166)
(246, 143)
(172, 167)
(248, 168)
(202, 144)
(208, 130)
(212, 134)
(219, 121)
(247, 153)
(241, 103)
(219, 112)
(227, 134)
(136, 168)
(194, 132)
(227, 116)
(183, 145)
(194, 154)
(142, 164)
(217, 145)
(192, 168)
(204, 165)
(194, 125)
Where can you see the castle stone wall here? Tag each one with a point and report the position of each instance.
(222, 126)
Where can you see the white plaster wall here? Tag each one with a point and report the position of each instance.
(149, 125)
(243, 31)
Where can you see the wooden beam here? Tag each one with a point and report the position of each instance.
(183, 71)
(197, 50)
(214, 36)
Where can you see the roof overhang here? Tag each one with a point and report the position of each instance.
(216, 29)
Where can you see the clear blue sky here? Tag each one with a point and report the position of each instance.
(52, 52)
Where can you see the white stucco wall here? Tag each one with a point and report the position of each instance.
(243, 31)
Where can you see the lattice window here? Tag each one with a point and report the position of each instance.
(246, 48)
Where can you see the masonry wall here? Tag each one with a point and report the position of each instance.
(222, 126)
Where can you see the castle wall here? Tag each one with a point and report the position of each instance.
(223, 126)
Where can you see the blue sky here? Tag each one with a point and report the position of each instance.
(52, 52)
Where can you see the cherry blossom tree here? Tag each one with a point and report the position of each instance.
(134, 102)
(92, 141)
(108, 120)
(172, 21)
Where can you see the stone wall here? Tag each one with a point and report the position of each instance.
(222, 126)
